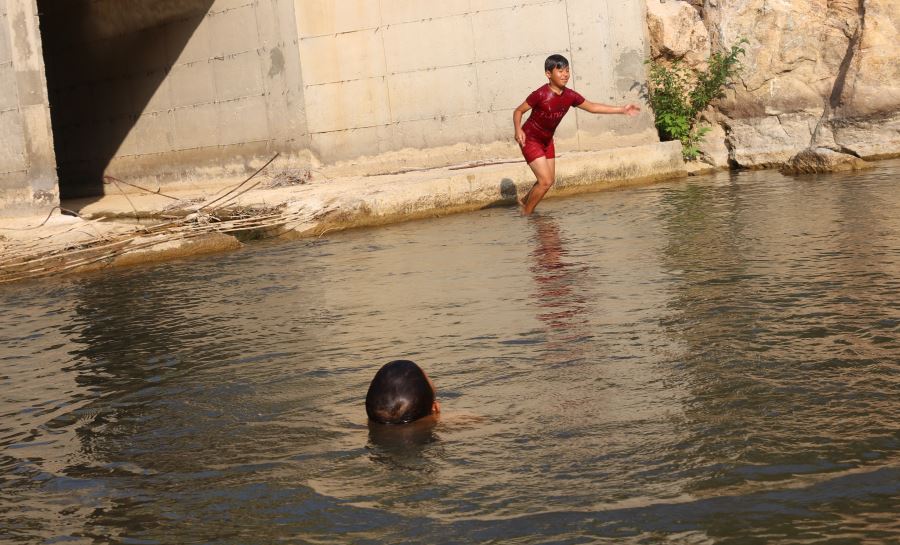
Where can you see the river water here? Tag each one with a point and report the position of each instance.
(711, 360)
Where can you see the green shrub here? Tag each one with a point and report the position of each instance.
(677, 95)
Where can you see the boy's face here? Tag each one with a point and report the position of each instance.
(559, 77)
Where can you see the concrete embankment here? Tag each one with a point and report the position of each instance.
(142, 226)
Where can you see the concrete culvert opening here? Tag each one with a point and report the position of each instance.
(105, 63)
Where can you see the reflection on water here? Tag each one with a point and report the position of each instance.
(402, 447)
(559, 294)
(705, 361)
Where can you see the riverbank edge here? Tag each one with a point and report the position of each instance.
(111, 231)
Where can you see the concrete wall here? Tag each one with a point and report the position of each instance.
(183, 92)
(177, 93)
(27, 167)
(381, 77)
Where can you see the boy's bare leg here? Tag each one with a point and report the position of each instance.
(545, 171)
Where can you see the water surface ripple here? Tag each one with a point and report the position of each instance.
(713, 360)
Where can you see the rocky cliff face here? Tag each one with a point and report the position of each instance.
(820, 76)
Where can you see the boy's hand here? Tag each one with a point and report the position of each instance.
(520, 137)
(631, 109)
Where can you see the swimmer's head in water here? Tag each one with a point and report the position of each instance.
(400, 393)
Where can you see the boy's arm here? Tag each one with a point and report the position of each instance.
(597, 108)
(517, 122)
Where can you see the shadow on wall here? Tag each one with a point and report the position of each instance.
(105, 61)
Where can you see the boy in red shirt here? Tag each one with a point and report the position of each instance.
(550, 103)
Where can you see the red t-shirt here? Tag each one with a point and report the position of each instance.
(548, 109)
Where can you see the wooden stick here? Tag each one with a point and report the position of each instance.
(207, 205)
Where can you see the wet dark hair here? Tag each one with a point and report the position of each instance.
(399, 393)
(555, 61)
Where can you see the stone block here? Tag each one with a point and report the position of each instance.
(244, 120)
(9, 95)
(506, 83)
(524, 30)
(320, 17)
(592, 56)
(192, 84)
(196, 40)
(769, 141)
(343, 57)
(878, 139)
(39, 146)
(32, 89)
(351, 143)
(619, 125)
(498, 126)
(153, 133)
(712, 148)
(464, 128)
(347, 105)
(12, 142)
(406, 11)
(151, 93)
(226, 5)
(73, 146)
(567, 130)
(432, 133)
(71, 67)
(626, 23)
(196, 126)
(238, 76)
(234, 31)
(449, 91)
(5, 52)
(115, 97)
(487, 5)
(819, 160)
(433, 43)
(413, 134)
(677, 32)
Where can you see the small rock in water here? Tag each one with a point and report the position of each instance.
(811, 161)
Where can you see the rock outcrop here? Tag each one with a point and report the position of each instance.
(820, 77)
(814, 160)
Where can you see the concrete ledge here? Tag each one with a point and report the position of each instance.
(391, 198)
(62, 244)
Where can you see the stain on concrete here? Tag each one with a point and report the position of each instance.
(277, 60)
(43, 198)
(629, 70)
(21, 36)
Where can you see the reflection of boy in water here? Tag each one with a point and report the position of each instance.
(550, 103)
(559, 284)
(400, 393)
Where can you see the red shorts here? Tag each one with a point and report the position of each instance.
(537, 147)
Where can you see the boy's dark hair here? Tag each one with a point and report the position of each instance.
(555, 61)
(399, 393)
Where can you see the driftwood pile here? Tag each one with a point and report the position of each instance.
(188, 222)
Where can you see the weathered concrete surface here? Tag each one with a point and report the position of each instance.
(27, 161)
(371, 200)
(164, 93)
(817, 74)
(169, 92)
(323, 205)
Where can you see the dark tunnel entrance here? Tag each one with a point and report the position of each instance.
(105, 60)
